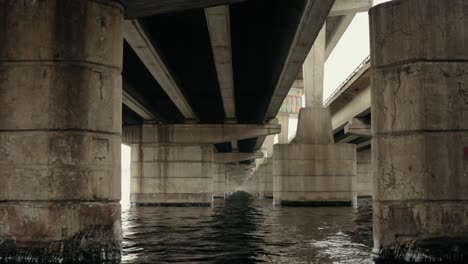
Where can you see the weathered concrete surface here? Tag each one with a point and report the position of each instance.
(266, 178)
(195, 133)
(420, 130)
(312, 174)
(60, 118)
(344, 7)
(314, 126)
(283, 120)
(238, 178)
(364, 173)
(171, 174)
(231, 157)
(219, 26)
(312, 170)
(219, 181)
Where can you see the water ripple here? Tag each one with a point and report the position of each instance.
(241, 229)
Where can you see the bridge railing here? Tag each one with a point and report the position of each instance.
(347, 80)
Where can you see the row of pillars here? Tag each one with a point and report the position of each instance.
(420, 135)
(60, 127)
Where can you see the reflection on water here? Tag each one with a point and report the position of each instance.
(245, 230)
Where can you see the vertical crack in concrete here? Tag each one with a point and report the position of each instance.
(395, 94)
(100, 84)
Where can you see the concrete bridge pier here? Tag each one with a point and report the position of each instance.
(164, 172)
(219, 181)
(239, 178)
(364, 173)
(60, 124)
(266, 178)
(174, 164)
(312, 170)
(420, 130)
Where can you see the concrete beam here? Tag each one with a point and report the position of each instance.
(239, 167)
(346, 7)
(336, 27)
(363, 145)
(234, 145)
(347, 139)
(261, 140)
(359, 105)
(358, 127)
(230, 157)
(218, 21)
(313, 18)
(259, 143)
(143, 8)
(195, 133)
(131, 102)
(136, 37)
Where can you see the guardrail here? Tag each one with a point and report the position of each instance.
(346, 81)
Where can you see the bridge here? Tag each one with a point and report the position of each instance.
(196, 89)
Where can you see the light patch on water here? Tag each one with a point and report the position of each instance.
(340, 249)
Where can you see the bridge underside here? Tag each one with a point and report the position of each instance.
(262, 33)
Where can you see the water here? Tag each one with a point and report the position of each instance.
(245, 230)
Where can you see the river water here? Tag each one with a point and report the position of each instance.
(241, 229)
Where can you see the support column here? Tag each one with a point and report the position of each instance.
(219, 181)
(311, 170)
(260, 174)
(267, 178)
(168, 173)
(420, 130)
(364, 173)
(283, 120)
(237, 178)
(60, 124)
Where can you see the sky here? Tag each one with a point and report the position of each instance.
(350, 51)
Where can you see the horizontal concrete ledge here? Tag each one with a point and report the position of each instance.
(314, 203)
(59, 203)
(65, 130)
(345, 7)
(364, 196)
(171, 204)
(195, 133)
(224, 158)
(417, 132)
(416, 61)
(55, 63)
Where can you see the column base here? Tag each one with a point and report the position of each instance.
(172, 175)
(314, 175)
(421, 231)
(56, 232)
(314, 203)
(172, 199)
(433, 250)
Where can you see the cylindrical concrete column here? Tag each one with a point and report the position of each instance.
(60, 124)
(420, 130)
